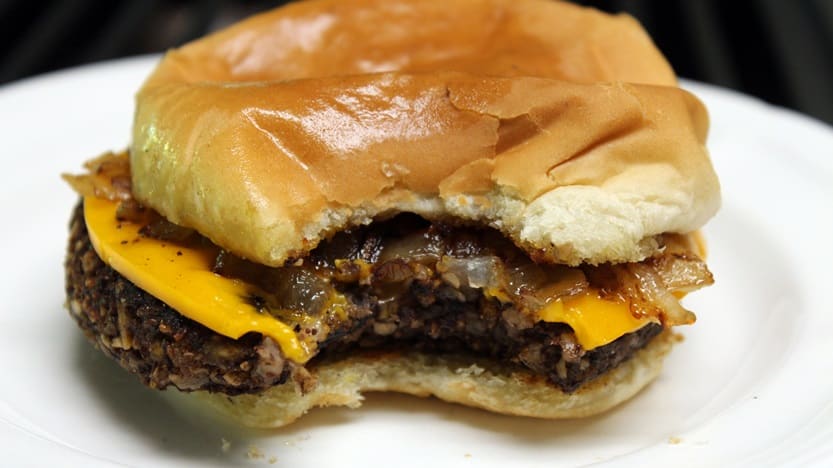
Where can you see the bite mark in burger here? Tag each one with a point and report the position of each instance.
(503, 216)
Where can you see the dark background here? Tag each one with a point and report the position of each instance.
(779, 50)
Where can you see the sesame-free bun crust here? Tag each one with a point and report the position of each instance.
(480, 383)
(559, 125)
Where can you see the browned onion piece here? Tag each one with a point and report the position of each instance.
(655, 295)
(130, 210)
(300, 289)
(83, 185)
(165, 230)
(416, 247)
(108, 177)
(564, 282)
(526, 278)
(683, 272)
(476, 272)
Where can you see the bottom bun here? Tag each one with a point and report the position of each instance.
(472, 382)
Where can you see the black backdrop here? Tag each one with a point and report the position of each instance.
(779, 50)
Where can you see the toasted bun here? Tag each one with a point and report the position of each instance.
(273, 134)
(480, 383)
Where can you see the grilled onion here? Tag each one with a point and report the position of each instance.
(108, 177)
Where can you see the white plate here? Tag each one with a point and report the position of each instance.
(751, 385)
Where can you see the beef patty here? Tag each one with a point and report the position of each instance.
(163, 348)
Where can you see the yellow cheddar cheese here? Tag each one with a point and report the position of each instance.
(595, 321)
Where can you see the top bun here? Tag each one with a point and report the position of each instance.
(558, 125)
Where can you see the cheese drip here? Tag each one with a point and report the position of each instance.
(182, 277)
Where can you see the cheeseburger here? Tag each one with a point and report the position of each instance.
(494, 202)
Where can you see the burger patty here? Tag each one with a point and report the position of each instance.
(164, 348)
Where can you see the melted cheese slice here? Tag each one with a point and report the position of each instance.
(181, 277)
(595, 321)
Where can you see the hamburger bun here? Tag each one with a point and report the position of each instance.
(575, 172)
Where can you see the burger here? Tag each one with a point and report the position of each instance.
(492, 202)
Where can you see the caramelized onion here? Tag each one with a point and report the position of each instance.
(652, 297)
(526, 278)
(163, 229)
(288, 288)
(683, 272)
(132, 211)
(564, 282)
(300, 289)
(537, 285)
(108, 177)
(415, 247)
(475, 272)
